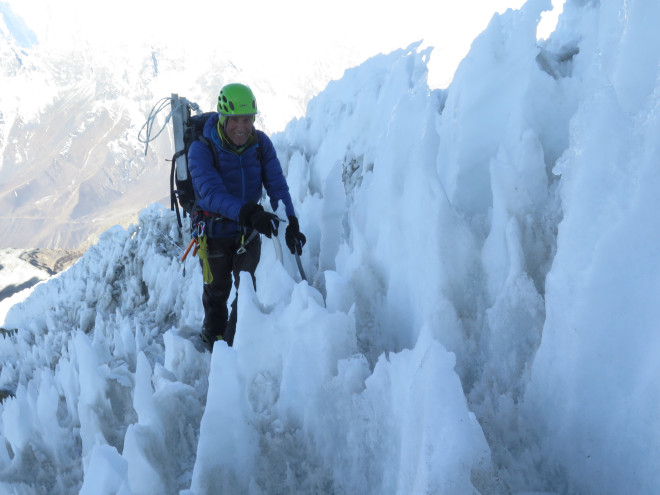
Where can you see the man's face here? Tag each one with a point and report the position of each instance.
(239, 128)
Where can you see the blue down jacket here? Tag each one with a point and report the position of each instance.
(239, 179)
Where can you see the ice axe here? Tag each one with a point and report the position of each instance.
(300, 267)
(278, 252)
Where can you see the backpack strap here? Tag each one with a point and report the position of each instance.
(214, 152)
(174, 202)
(260, 151)
(216, 165)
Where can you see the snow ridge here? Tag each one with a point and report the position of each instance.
(77, 365)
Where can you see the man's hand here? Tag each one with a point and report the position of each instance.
(295, 240)
(253, 215)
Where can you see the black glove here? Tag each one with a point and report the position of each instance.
(295, 240)
(253, 215)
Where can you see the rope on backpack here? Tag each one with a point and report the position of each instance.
(151, 121)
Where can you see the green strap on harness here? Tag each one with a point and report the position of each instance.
(203, 254)
(245, 242)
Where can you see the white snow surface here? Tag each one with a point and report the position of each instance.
(479, 317)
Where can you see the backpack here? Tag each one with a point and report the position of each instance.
(187, 129)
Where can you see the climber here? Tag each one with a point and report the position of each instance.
(228, 172)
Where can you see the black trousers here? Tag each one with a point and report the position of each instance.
(224, 262)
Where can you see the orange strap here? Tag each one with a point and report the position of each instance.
(185, 255)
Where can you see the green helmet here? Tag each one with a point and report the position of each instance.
(236, 99)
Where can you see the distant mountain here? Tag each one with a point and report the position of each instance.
(25, 268)
(18, 29)
(71, 164)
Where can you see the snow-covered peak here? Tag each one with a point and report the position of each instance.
(15, 28)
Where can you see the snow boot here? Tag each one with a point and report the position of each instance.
(208, 339)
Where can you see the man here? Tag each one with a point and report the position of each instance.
(228, 173)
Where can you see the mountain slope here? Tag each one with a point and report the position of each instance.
(71, 163)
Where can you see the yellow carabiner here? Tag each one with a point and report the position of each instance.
(242, 249)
